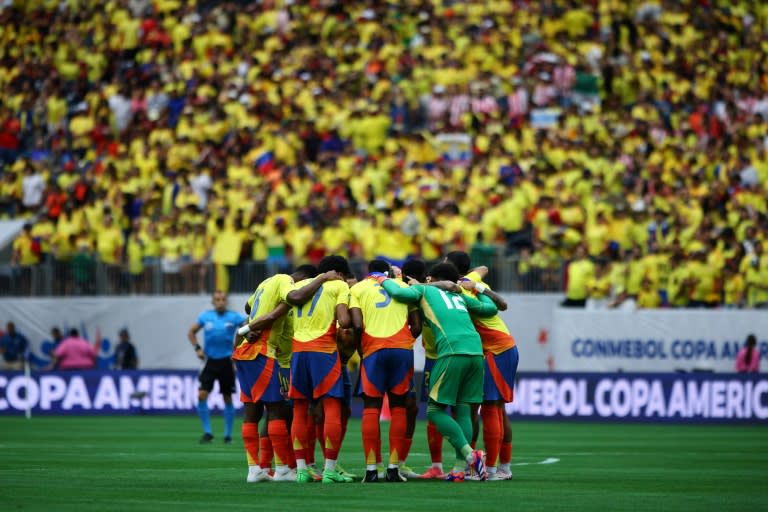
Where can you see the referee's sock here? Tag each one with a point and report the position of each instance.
(229, 419)
(205, 416)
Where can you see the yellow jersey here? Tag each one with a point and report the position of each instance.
(385, 321)
(314, 323)
(275, 341)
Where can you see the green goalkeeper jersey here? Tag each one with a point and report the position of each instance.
(447, 314)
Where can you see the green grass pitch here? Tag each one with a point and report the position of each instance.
(155, 463)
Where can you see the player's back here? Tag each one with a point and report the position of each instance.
(268, 295)
(385, 321)
(447, 315)
(314, 322)
(493, 331)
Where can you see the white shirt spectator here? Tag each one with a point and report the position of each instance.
(121, 109)
(32, 188)
(201, 184)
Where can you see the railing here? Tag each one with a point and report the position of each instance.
(57, 278)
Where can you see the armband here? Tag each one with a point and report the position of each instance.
(198, 347)
(480, 288)
(379, 277)
(244, 330)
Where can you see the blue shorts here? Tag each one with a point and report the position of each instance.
(500, 371)
(428, 364)
(389, 370)
(259, 380)
(315, 375)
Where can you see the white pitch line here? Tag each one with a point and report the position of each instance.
(550, 460)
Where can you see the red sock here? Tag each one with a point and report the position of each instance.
(311, 440)
(371, 435)
(344, 423)
(320, 436)
(407, 441)
(265, 444)
(505, 456)
(278, 433)
(299, 433)
(378, 443)
(250, 432)
(332, 427)
(397, 427)
(435, 441)
(492, 433)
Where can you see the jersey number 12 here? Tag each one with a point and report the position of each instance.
(454, 302)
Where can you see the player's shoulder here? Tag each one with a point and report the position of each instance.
(364, 285)
(402, 284)
(277, 280)
(301, 283)
(476, 277)
(336, 284)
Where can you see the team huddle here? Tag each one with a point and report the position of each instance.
(302, 329)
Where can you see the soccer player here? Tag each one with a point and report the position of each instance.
(457, 377)
(388, 329)
(259, 360)
(415, 270)
(316, 363)
(501, 359)
(219, 325)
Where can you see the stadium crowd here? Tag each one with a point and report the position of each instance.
(627, 139)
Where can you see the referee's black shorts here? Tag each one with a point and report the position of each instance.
(221, 370)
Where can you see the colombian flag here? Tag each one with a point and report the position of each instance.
(265, 162)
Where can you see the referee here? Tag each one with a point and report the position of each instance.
(219, 325)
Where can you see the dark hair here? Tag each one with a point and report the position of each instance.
(416, 269)
(444, 272)
(378, 266)
(750, 344)
(74, 332)
(307, 270)
(460, 260)
(334, 262)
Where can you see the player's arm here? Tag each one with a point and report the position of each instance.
(247, 307)
(303, 294)
(261, 322)
(343, 316)
(192, 337)
(415, 322)
(497, 299)
(410, 295)
(357, 318)
(448, 286)
(481, 306)
(481, 271)
(347, 341)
